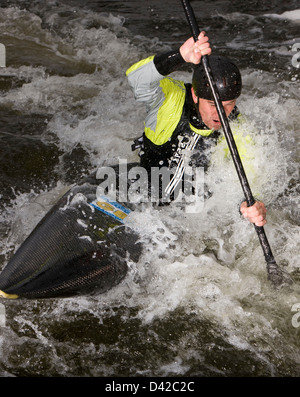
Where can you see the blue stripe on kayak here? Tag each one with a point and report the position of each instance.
(111, 208)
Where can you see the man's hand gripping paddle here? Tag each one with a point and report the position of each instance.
(275, 274)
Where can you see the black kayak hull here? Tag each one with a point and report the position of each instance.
(81, 246)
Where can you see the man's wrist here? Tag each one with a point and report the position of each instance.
(168, 62)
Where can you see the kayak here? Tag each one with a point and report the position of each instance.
(81, 246)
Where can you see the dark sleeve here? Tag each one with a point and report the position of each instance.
(168, 62)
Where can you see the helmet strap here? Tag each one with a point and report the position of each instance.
(197, 109)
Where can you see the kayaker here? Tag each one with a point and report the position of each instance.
(183, 117)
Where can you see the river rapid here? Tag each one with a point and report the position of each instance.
(198, 302)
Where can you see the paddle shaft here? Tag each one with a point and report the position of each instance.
(228, 133)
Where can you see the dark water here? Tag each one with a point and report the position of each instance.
(198, 303)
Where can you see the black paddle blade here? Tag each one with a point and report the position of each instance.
(278, 277)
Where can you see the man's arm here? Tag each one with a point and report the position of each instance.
(144, 76)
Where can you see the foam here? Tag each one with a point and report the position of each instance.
(293, 15)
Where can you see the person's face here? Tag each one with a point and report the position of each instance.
(209, 113)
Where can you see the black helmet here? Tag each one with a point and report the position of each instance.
(226, 75)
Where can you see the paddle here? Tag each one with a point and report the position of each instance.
(275, 273)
